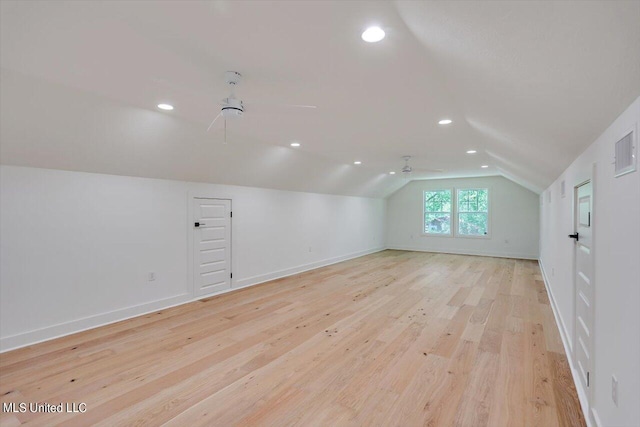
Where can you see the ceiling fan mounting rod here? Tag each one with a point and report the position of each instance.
(232, 77)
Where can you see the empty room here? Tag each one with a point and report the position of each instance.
(319, 213)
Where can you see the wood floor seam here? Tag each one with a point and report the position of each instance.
(394, 338)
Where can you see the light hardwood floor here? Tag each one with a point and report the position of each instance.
(390, 339)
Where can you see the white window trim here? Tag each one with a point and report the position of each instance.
(489, 210)
(424, 212)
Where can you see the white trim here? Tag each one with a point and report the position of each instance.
(456, 231)
(191, 277)
(585, 395)
(452, 192)
(596, 418)
(448, 236)
(455, 214)
(68, 328)
(199, 194)
(301, 268)
(564, 333)
(466, 252)
(582, 396)
(594, 296)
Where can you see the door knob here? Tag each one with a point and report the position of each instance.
(575, 236)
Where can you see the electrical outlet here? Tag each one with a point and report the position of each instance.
(152, 276)
(614, 389)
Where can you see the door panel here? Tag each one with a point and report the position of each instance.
(212, 245)
(583, 282)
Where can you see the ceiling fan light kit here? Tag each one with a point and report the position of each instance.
(407, 170)
(232, 108)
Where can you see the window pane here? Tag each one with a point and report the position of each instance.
(437, 223)
(473, 224)
(483, 200)
(437, 212)
(473, 200)
(437, 201)
(463, 200)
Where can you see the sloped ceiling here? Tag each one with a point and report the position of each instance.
(529, 85)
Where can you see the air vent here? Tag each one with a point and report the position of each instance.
(562, 189)
(625, 155)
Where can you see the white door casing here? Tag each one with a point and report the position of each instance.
(584, 282)
(211, 245)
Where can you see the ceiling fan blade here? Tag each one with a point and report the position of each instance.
(214, 120)
(280, 104)
(427, 170)
(275, 108)
(297, 106)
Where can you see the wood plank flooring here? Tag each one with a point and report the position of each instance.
(391, 339)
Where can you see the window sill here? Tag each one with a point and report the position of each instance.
(436, 235)
(464, 236)
(456, 236)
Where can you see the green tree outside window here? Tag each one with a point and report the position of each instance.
(473, 212)
(437, 212)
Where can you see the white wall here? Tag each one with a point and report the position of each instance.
(77, 247)
(513, 211)
(616, 245)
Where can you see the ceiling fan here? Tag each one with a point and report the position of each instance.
(407, 169)
(233, 107)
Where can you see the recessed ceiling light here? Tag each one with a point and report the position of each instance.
(167, 107)
(295, 144)
(373, 34)
(392, 173)
(445, 122)
(484, 166)
(357, 162)
(471, 151)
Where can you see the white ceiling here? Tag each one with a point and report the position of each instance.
(528, 84)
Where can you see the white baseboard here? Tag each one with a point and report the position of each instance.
(568, 349)
(249, 281)
(596, 418)
(67, 328)
(564, 332)
(466, 252)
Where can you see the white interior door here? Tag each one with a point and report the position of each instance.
(583, 282)
(211, 245)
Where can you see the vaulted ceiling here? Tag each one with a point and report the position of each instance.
(529, 85)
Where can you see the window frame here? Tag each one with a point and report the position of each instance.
(457, 214)
(452, 191)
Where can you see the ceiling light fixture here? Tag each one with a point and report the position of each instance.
(357, 162)
(373, 34)
(392, 173)
(484, 166)
(445, 122)
(167, 107)
(295, 144)
(471, 151)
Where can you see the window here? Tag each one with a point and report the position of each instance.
(437, 212)
(473, 212)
